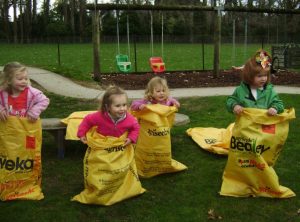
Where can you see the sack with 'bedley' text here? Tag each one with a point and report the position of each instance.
(256, 142)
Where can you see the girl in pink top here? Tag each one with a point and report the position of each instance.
(157, 91)
(112, 119)
(17, 97)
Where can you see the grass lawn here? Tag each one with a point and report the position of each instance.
(183, 196)
(77, 60)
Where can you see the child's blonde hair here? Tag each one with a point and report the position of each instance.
(257, 64)
(106, 100)
(154, 82)
(8, 73)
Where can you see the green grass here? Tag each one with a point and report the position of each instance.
(77, 60)
(183, 196)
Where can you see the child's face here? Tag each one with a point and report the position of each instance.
(259, 80)
(118, 107)
(159, 93)
(19, 82)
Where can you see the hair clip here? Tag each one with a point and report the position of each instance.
(263, 59)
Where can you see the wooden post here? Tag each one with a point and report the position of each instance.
(217, 41)
(96, 45)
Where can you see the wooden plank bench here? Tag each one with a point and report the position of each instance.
(58, 130)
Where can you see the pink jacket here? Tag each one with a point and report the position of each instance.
(106, 126)
(37, 102)
(137, 103)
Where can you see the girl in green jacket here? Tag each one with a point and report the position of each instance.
(255, 91)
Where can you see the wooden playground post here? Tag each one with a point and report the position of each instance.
(96, 45)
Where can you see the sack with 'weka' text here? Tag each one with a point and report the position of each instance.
(20, 159)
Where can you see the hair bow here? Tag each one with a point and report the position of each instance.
(263, 59)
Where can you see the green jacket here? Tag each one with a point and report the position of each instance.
(266, 98)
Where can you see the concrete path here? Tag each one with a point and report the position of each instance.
(57, 84)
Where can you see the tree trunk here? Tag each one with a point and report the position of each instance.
(65, 12)
(46, 12)
(72, 17)
(21, 22)
(15, 24)
(28, 20)
(6, 20)
(82, 18)
(34, 4)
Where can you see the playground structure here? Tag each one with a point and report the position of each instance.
(123, 61)
(217, 9)
(156, 63)
(286, 56)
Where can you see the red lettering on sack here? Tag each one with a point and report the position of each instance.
(30, 142)
(269, 128)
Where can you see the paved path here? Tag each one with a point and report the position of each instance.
(57, 84)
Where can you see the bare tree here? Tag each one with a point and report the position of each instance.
(72, 17)
(6, 19)
(82, 18)
(15, 24)
(28, 21)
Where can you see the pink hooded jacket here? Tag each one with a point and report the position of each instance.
(106, 126)
(37, 102)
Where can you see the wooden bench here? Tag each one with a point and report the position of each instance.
(58, 130)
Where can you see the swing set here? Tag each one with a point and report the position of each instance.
(122, 60)
(156, 63)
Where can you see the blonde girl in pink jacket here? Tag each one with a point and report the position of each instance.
(17, 97)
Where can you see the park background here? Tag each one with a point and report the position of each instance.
(33, 38)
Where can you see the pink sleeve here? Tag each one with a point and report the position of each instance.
(137, 103)
(39, 104)
(172, 101)
(134, 130)
(88, 122)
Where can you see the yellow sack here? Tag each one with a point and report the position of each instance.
(110, 174)
(73, 121)
(20, 159)
(153, 149)
(257, 140)
(212, 139)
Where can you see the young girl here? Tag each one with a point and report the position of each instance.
(255, 91)
(113, 118)
(17, 97)
(110, 172)
(157, 92)
(256, 139)
(156, 113)
(20, 139)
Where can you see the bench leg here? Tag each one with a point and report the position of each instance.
(59, 136)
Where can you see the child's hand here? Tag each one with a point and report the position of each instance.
(238, 109)
(142, 106)
(127, 142)
(177, 104)
(272, 112)
(3, 115)
(83, 139)
(31, 119)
